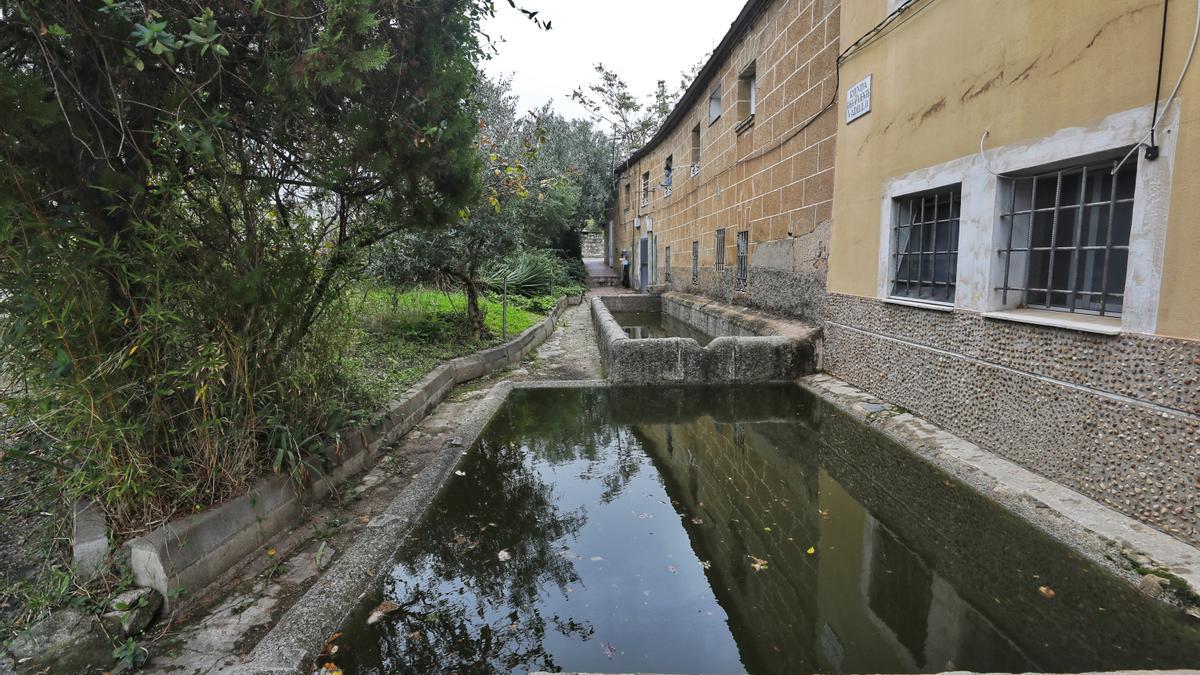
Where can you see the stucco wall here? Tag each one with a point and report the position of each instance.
(1023, 73)
(773, 178)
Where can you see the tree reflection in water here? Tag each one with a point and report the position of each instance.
(468, 578)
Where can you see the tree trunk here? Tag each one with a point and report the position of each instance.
(474, 311)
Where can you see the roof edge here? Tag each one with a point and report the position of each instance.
(747, 16)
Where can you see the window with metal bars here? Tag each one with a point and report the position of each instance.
(742, 278)
(719, 247)
(1067, 238)
(925, 245)
(667, 264)
(695, 262)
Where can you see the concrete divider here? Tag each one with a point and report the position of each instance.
(748, 347)
(192, 552)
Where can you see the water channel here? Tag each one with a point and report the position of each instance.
(735, 530)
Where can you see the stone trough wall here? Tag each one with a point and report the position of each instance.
(192, 552)
(748, 346)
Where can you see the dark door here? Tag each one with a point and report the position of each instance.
(644, 258)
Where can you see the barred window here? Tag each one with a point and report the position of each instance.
(695, 262)
(646, 188)
(741, 281)
(719, 246)
(667, 264)
(925, 245)
(1067, 238)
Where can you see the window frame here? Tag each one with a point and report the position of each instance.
(695, 262)
(668, 173)
(667, 263)
(645, 188)
(715, 97)
(696, 147)
(1109, 207)
(908, 203)
(747, 95)
(719, 249)
(741, 279)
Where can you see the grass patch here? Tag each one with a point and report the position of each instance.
(402, 336)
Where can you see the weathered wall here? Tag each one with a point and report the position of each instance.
(728, 359)
(1113, 415)
(593, 245)
(769, 176)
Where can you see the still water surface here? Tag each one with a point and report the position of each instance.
(734, 530)
(643, 325)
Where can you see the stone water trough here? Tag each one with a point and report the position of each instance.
(747, 346)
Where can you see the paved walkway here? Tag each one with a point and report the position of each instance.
(225, 627)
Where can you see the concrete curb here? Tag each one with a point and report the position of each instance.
(1097, 531)
(737, 356)
(193, 552)
(295, 640)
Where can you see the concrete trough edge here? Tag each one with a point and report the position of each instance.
(1095, 530)
(297, 637)
(191, 553)
(728, 359)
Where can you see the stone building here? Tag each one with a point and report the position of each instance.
(1013, 255)
(732, 197)
(1008, 249)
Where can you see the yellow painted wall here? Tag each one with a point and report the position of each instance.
(1021, 69)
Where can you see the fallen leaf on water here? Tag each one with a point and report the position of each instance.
(697, 521)
(381, 610)
(672, 569)
(766, 529)
(757, 564)
(332, 668)
(503, 555)
(1046, 591)
(329, 649)
(812, 550)
(609, 650)
(271, 552)
(823, 513)
(460, 473)
(705, 564)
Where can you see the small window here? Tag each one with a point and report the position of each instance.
(628, 198)
(667, 264)
(747, 93)
(719, 247)
(1067, 238)
(925, 246)
(667, 170)
(714, 104)
(646, 188)
(696, 150)
(742, 280)
(695, 262)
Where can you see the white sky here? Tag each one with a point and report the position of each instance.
(642, 40)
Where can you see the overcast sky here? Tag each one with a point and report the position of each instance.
(642, 40)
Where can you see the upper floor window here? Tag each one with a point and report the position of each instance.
(714, 104)
(696, 150)
(627, 197)
(668, 169)
(1066, 238)
(719, 247)
(747, 92)
(646, 188)
(925, 245)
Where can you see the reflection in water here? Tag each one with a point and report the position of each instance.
(620, 531)
(641, 325)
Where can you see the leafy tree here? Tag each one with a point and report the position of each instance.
(631, 121)
(187, 188)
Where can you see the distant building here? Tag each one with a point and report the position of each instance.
(732, 197)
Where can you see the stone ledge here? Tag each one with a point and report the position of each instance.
(195, 551)
(751, 347)
(1069, 516)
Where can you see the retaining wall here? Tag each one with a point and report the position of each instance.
(748, 346)
(191, 553)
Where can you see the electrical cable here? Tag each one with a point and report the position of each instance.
(1175, 90)
(864, 40)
